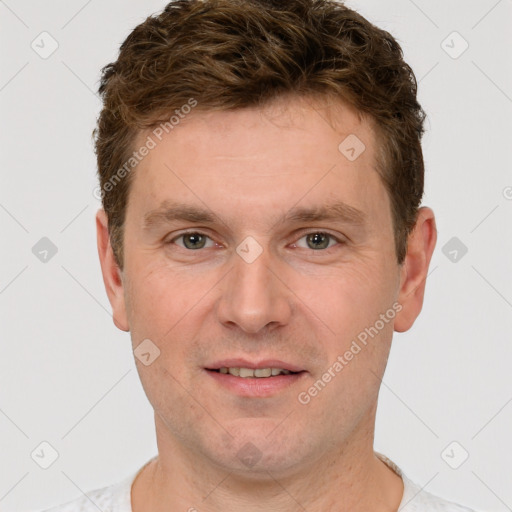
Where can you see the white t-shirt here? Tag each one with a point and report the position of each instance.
(117, 497)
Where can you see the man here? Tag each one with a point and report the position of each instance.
(261, 238)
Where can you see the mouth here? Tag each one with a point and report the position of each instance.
(257, 380)
(255, 373)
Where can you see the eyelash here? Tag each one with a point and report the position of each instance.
(302, 235)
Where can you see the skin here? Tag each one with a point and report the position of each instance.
(294, 303)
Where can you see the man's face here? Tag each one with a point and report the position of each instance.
(258, 282)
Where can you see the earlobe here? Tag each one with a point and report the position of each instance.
(112, 275)
(420, 247)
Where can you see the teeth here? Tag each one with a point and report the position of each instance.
(263, 372)
(258, 373)
(246, 372)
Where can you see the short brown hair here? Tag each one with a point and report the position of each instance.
(230, 54)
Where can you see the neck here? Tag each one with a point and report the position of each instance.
(347, 478)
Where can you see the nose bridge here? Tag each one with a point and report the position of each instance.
(252, 296)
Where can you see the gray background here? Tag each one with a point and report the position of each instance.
(67, 375)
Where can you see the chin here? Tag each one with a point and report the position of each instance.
(259, 447)
(260, 466)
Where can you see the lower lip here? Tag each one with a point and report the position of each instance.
(255, 386)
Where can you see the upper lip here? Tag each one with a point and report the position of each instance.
(244, 363)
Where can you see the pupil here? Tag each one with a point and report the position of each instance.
(196, 241)
(319, 240)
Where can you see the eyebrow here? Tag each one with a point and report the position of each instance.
(338, 211)
(170, 212)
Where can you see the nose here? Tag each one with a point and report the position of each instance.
(253, 296)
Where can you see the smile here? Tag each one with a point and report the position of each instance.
(254, 372)
(255, 382)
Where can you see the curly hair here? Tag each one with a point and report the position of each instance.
(231, 54)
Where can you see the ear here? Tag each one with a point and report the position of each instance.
(112, 274)
(420, 246)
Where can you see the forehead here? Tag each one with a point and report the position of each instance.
(302, 122)
(291, 151)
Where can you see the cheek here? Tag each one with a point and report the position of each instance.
(170, 395)
(159, 297)
(350, 302)
(165, 308)
(348, 298)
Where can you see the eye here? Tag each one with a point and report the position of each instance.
(193, 240)
(318, 240)
(315, 240)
